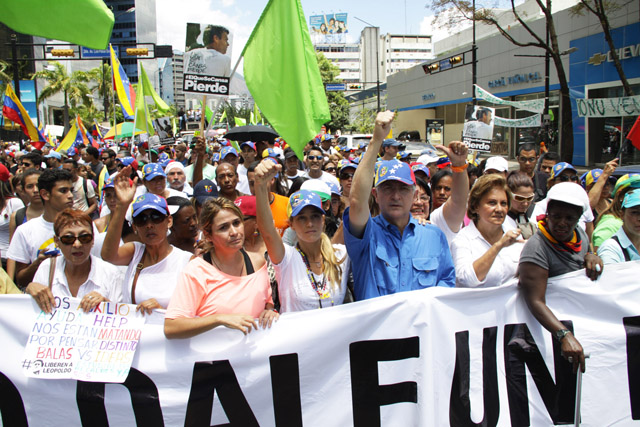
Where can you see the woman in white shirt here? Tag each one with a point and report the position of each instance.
(8, 205)
(153, 263)
(314, 273)
(76, 273)
(486, 253)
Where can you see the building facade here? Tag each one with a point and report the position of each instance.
(503, 71)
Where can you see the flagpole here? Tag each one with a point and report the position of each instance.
(113, 94)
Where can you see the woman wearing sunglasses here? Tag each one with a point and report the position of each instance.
(486, 252)
(76, 273)
(314, 273)
(522, 195)
(153, 263)
(564, 172)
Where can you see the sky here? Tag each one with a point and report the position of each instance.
(240, 16)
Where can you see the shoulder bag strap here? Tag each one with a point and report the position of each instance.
(52, 270)
(247, 262)
(139, 268)
(624, 252)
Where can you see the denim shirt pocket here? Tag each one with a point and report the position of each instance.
(425, 271)
(386, 273)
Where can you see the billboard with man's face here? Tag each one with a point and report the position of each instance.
(478, 128)
(207, 59)
(330, 28)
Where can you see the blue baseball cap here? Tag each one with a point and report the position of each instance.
(152, 170)
(393, 170)
(129, 161)
(558, 168)
(362, 145)
(226, 151)
(631, 199)
(390, 143)
(109, 183)
(348, 165)
(149, 201)
(163, 156)
(419, 167)
(205, 190)
(72, 151)
(300, 200)
(249, 144)
(54, 154)
(404, 154)
(443, 162)
(163, 163)
(215, 157)
(334, 188)
(269, 152)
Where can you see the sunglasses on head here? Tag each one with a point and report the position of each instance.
(520, 198)
(70, 240)
(315, 157)
(143, 219)
(565, 178)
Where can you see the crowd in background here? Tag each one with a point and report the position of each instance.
(219, 235)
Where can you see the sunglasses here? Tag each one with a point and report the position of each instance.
(346, 176)
(520, 198)
(527, 159)
(330, 169)
(143, 219)
(70, 240)
(565, 178)
(315, 157)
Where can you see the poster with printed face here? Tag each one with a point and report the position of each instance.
(207, 59)
(478, 128)
(329, 28)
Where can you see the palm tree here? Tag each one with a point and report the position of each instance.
(101, 76)
(74, 87)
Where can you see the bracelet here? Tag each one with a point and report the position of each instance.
(275, 311)
(459, 168)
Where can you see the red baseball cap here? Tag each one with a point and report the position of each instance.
(4, 173)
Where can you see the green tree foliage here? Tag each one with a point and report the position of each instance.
(364, 121)
(338, 104)
(73, 86)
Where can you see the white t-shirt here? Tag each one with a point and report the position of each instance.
(79, 199)
(541, 209)
(469, 245)
(11, 205)
(104, 278)
(325, 177)
(30, 239)
(156, 281)
(295, 289)
(209, 62)
(437, 219)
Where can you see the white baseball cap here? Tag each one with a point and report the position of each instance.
(497, 163)
(571, 193)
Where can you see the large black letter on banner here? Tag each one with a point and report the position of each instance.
(366, 393)
(207, 378)
(285, 385)
(459, 403)
(144, 398)
(632, 330)
(11, 404)
(559, 398)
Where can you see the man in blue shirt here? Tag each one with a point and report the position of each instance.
(392, 252)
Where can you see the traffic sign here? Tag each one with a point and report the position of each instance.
(97, 53)
(335, 87)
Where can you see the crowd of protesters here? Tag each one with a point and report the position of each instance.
(220, 236)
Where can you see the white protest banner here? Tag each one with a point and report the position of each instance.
(534, 105)
(534, 121)
(609, 107)
(94, 346)
(433, 357)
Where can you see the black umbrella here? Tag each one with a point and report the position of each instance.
(251, 133)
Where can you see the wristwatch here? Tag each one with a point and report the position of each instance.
(561, 333)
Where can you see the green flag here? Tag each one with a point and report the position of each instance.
(208, 113)
(223, 116)
(143, 118)
(83, 22)
(291, 93)
(240, 122)
(150, 91)
(256, 114)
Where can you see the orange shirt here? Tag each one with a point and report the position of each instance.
(279, 213)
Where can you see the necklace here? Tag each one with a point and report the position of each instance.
(213, 259)
(320, 288)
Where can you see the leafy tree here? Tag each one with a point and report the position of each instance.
(73, 86)
(338, 104)
(101, 76)
(364, 121)
(602, 8)
(463, 9)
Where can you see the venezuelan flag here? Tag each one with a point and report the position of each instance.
(14, 111)
(123, 87)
